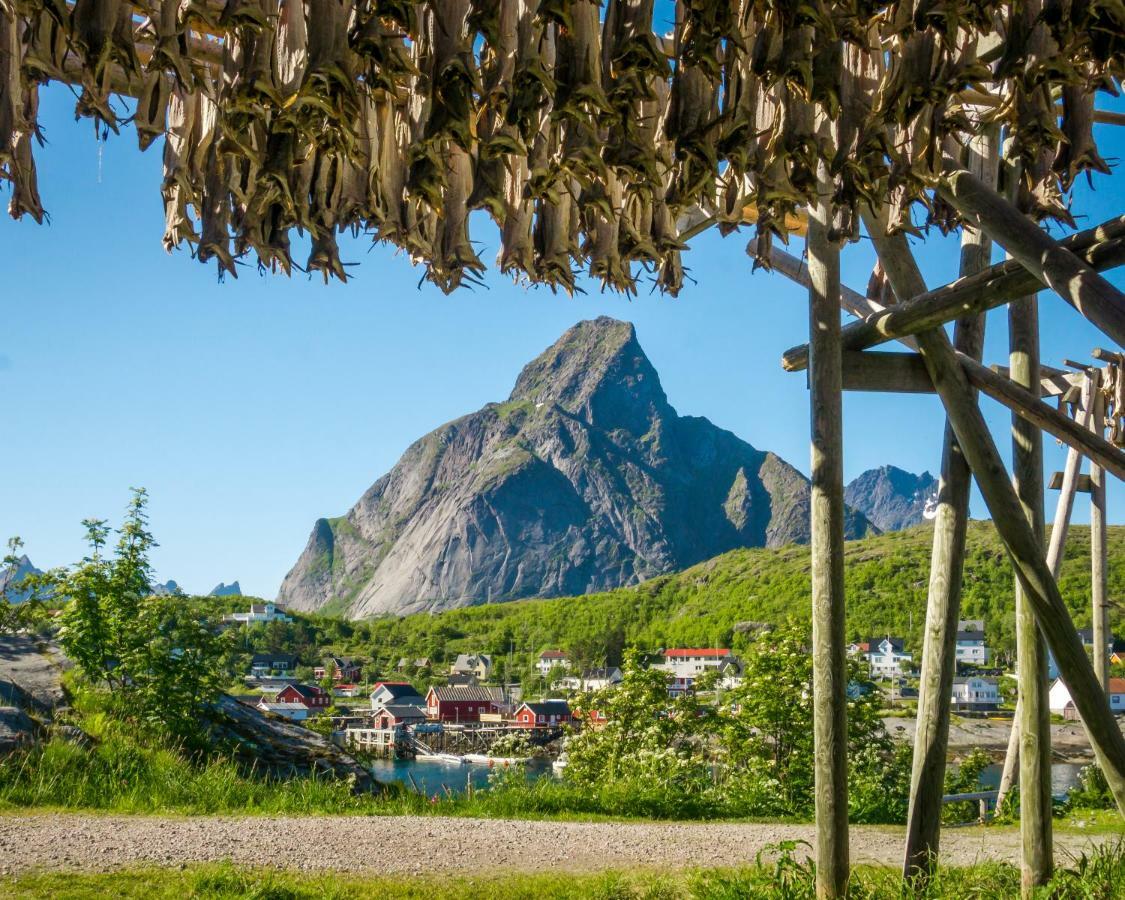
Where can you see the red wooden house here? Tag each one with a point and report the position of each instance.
(343, 669)
(544, 714)
(310, 695)
(462, 703)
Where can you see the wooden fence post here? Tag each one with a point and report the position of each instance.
(943, 605)
(826, 510)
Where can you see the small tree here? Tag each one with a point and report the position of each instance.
(159, 657)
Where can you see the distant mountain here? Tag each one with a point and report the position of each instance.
(226, 590)
(585, 479)
(10, 579)
(891, 498)
(168, 587)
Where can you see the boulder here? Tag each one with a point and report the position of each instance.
(281, 749)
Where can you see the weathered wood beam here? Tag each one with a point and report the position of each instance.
(1023, 402)
(826, 511)
(1058, 268)
(797, 271)
(1083, 485)
(1037, 857)
(1101, 248)
(1026, 554)
(1071, 481)
(902, 373)
(943, 597)
(1098, 570)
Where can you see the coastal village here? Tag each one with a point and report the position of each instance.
(459, 710)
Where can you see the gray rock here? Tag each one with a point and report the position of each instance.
(18, 730)
(585, 479)
(280, 749)
(227, 590)
(891, 498)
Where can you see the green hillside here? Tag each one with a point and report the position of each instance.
(717, 603)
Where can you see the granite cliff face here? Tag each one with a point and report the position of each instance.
(584, 479)
(891, 498)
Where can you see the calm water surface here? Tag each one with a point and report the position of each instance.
(431, 776)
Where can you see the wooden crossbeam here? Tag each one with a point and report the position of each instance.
(1102, 248)
(1058, 268)
(902, 373)
(1026, 405)
(1081, 482)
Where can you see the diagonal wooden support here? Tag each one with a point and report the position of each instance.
(1025, 404)
(943, 595)
(1025, 552)
(1034, 249)
(1101, 248)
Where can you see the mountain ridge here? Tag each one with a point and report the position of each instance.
(584, 479)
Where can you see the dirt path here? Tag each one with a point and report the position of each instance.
(412, 844)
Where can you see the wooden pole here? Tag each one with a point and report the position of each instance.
(1025, 552)
(1031, 651)
(1098, 572)
(826, 510)
(943, 604)
(1062, 271)
(1059, 530)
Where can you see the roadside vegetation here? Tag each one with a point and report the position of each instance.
(781, 874)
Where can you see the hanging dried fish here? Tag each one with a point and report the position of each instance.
(1077, 152)
(102, 35)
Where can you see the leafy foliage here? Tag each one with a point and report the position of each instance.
(159, 657)
(752, 755)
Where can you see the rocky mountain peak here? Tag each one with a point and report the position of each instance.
(585, 479)
(891, 497)
(598, 372)
(11, 577)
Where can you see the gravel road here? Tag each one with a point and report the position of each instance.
(413, 844)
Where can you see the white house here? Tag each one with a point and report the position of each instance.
(592, 679)
(387, 693)
(971, 647)
(688, 662)
(886, 657)
(551, 659)
(259, 612)
(1058, 699)
(296, 712)
(979, 694)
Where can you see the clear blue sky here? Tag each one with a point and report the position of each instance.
(250, 408)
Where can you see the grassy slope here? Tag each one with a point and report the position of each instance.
(886, 590)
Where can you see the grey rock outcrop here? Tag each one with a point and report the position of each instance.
(585, 479)
(226, 590)
(892, 498)
(276, 747)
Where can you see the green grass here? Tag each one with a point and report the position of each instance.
(1100, 876)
